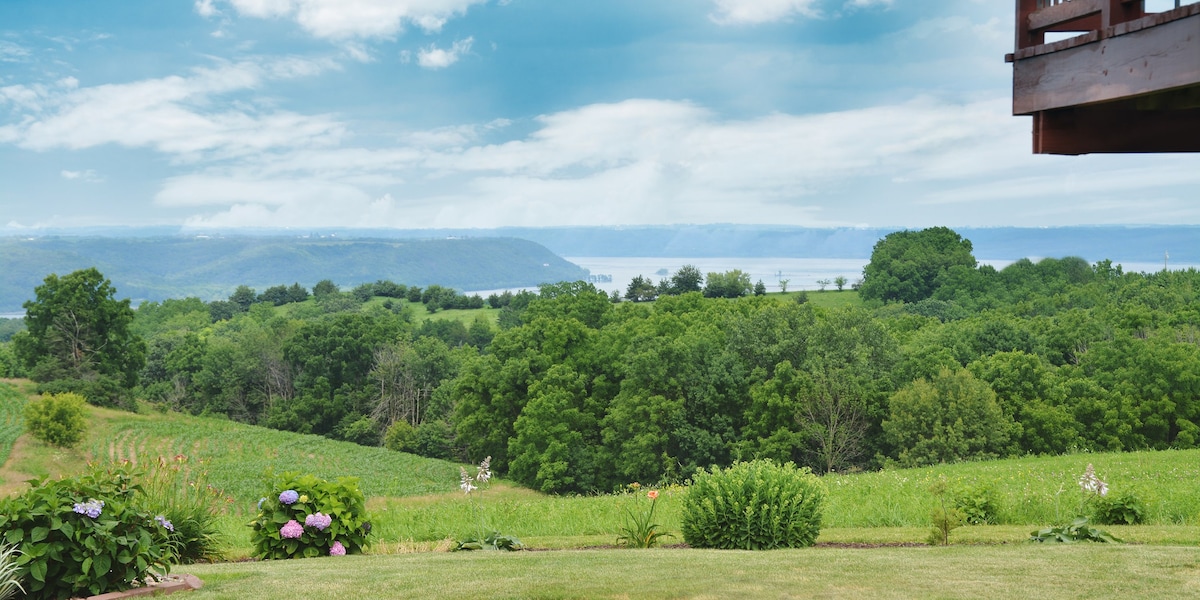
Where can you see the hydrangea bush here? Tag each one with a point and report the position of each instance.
(303, 516)
(85, 535)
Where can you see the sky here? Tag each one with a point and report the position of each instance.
(211, 114)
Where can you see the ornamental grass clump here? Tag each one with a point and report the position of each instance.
(10, 580)
(756, 505)
(85, 535)
(179, 492)
(307, 517)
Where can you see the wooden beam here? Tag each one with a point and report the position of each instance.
(1145, 61)
(1122, 128)
(1048, 17)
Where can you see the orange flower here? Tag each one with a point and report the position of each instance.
(652, 494)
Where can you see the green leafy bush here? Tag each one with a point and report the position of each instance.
(84, 536)
(179, 491)
(1079, 530)
(978, 504)
(1125, 508)
(754, 505)
(58, 419)
(303, 516)
(401, 437)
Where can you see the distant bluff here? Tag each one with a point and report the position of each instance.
(211, 267)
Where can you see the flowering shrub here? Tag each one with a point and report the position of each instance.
(306, 517)
(754, 505)
(318, 520)
(84, 536)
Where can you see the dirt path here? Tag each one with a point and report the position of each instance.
(12, 480)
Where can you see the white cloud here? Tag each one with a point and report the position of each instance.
(341, 19)
(436, 58)
(88, 176)
(206, 9)
(653, 161)
(867, 3)
(751, 12)
(10, 52)
(172, 114)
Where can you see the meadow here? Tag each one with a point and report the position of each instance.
(417, 509)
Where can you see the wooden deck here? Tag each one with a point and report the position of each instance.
(1128, 82)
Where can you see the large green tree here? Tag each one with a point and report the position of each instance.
(908, 265)
(76, 329)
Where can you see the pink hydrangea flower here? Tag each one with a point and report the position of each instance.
(337, 549)
(291, 530)
(318, 520)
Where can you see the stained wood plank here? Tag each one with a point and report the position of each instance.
(1149, 60)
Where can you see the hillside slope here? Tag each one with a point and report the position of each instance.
(212, 267)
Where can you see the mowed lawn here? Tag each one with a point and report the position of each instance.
(997, 571)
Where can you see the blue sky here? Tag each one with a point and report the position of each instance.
(488, 113)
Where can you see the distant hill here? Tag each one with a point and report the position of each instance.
(211, 267)
(1141, 243)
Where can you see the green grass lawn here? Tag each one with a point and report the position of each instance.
(1008, 571)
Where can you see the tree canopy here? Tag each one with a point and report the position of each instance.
(908, 265)
(76, 329)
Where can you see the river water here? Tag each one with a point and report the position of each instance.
(800, 273)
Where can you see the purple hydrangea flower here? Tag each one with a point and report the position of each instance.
(291, 530)
(318, 520)
(165, 523)
(289, 497)
(91, 508)
(337, 549)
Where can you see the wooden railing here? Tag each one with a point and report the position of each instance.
(1036, 18)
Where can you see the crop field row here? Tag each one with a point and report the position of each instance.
(237, 457)
(12, 424)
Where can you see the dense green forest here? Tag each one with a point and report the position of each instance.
(159, 268)
(570, 391)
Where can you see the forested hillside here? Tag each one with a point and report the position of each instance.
(158, 268)
(573, 392)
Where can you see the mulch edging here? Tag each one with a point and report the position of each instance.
(168, 585)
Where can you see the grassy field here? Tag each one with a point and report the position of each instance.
(828, 299)
(415, 508)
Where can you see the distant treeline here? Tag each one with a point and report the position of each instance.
(158, 268)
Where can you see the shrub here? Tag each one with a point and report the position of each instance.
(977, 504)
(303, 516)
(181, 494)
(58, 419)
(1125, 508)
(84, 536)
(754, 505)
(401, 437)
